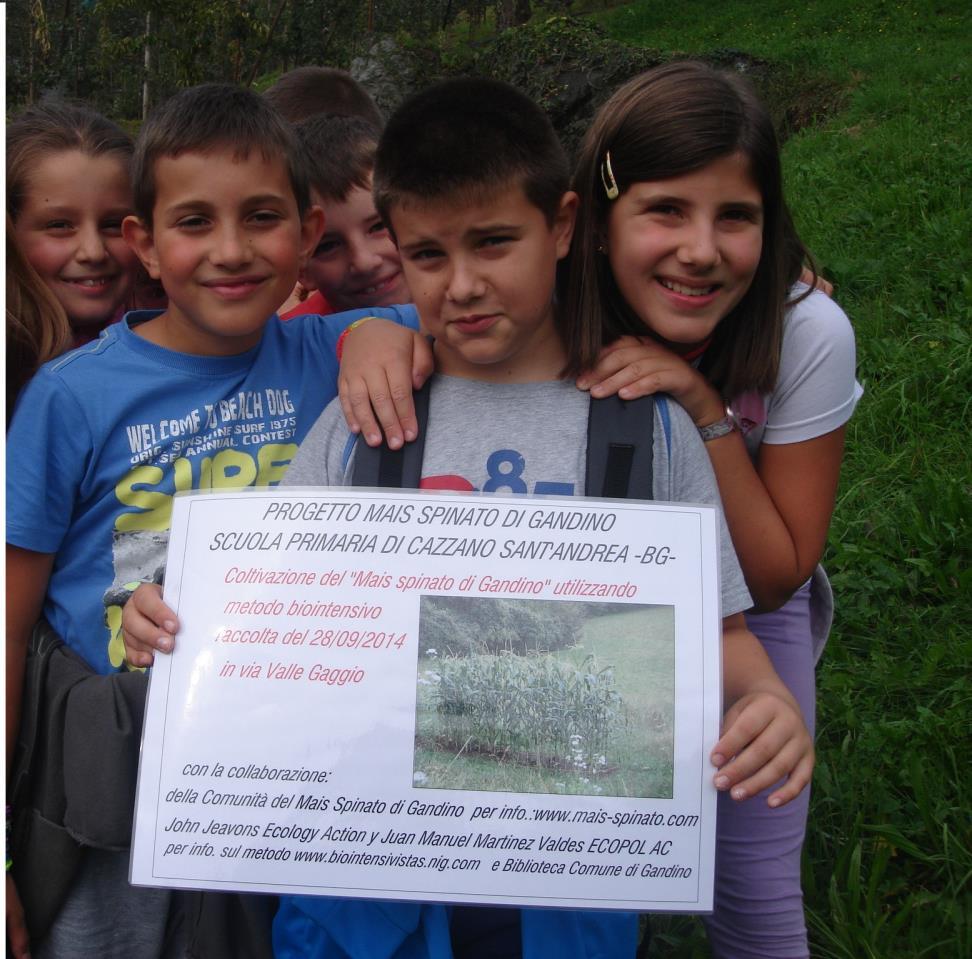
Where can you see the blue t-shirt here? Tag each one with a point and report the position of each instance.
(103, 437)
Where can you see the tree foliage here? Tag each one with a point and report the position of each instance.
(96, 49)
(123, 56)
(462, 625)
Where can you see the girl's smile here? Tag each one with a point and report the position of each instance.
(684, 251)
(70, 232)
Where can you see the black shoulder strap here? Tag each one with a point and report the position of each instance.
(619, 450)
(620, 447)
(394, 469)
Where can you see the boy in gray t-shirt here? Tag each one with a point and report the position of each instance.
(480, 230)
(525, 438)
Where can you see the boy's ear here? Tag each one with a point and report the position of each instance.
(563, 225)
(311, 230)
(306, 280)
(139, 237)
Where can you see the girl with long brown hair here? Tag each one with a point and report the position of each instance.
(685, 247)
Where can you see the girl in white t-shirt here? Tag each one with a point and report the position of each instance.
(685, 245)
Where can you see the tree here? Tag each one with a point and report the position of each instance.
(512, 13)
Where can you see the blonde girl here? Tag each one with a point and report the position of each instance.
(68, 190)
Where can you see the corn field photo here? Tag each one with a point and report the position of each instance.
(545, 696)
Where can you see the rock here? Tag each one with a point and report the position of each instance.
(570, 67)
(390, 72)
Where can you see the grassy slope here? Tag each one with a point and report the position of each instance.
(881, 193)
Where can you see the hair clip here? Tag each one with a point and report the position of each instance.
(610, 184)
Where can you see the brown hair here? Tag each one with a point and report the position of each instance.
(465, 138)
(667, 122)
(339, 153)
(37, 326)
(208, 117)
(57, 126)
(468, 136)
(305, 91)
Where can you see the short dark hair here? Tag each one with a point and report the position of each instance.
(464, 137)
(306, 91)
(339, 153)
(207, 117)
(667, 122)
(56, 126)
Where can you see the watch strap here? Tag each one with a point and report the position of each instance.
(712, 431)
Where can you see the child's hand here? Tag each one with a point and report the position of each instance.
(381, 363)
(764, 739)
(817, 282)
(633, 367)
(147, 625)
(18, 940)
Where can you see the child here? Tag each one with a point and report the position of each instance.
(481, 232)
(37, 330)
(306, 91)
(355, 264)
(684, 240)
(68, 190)
(212, 392)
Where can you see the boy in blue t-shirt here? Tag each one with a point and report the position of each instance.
(214, 392)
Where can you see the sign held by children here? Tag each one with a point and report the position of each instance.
(436, 697)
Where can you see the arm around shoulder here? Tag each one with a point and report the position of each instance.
(779, 508)
(381, 363)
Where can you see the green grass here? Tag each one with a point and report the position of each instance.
(881, 193)
(643, 664)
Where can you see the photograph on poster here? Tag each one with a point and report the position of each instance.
(545, 696)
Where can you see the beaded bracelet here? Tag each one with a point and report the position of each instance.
(339, 349)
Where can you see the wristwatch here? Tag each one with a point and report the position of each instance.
(712, 431)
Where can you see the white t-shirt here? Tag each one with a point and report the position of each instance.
(816, 391)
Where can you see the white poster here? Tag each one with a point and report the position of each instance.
(437, 697)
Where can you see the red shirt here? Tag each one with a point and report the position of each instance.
(315, 303)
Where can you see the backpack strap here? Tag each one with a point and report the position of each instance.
(661, 399)
(620, 447)
(619, 450)
(381, 466)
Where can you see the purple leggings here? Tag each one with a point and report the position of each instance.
(758, 910)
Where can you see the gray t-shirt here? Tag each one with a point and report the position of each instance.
(524, 438)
